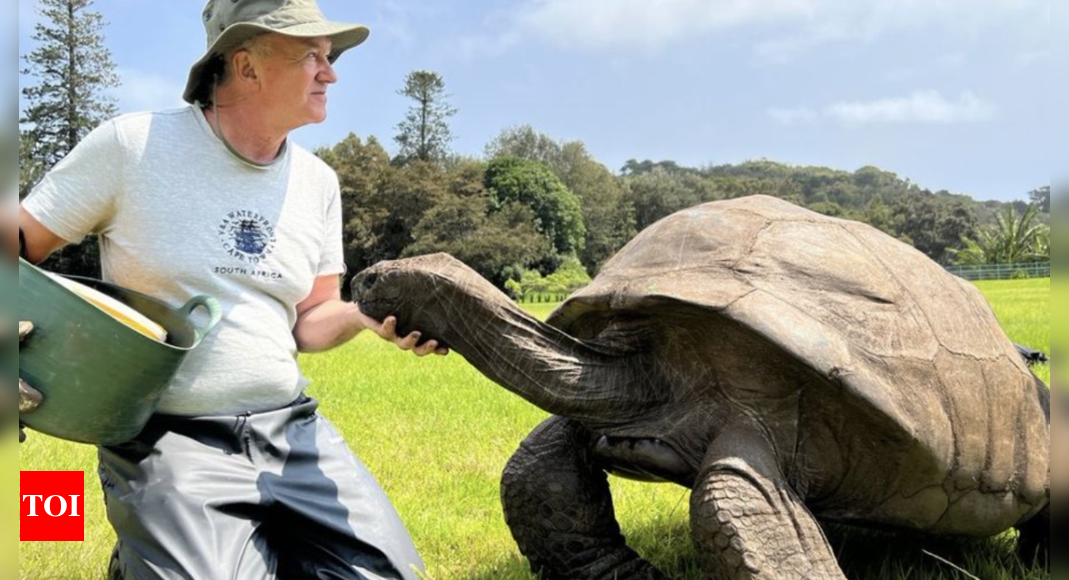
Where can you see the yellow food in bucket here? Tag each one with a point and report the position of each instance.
(117, 310)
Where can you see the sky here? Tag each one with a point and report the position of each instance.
(950, 94)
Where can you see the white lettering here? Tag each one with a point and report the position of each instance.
(48, 505)
(74, 506)
(33, 503)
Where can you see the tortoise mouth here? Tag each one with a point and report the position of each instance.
(362, 284)
(375, 297)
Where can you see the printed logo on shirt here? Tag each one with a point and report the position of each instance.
(53, 506)
(247, 236)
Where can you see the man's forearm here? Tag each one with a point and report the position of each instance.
(328, 325)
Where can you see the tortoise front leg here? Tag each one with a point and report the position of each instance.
(747, 524)
(559, 508)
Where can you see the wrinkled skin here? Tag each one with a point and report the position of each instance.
(786, 367)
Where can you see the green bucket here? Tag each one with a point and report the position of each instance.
(101, 379)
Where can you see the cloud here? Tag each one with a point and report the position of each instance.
(394, 18)
(782, 28)
(923, 107)
(793, 116)
(142, 91)
(937, 65)
(1034, 56)
(919, 108)
(470, 47)
(646, 24)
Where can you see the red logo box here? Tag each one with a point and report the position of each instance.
(53, 506)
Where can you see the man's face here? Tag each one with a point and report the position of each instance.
(295, 74)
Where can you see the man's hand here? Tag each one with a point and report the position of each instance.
(387, 330)
(29, 397)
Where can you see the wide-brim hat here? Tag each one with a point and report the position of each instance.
(229, 23)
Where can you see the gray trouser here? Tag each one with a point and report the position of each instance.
(253, 497)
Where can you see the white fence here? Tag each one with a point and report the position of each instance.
(1002, 271)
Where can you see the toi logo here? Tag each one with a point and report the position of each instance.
(53, 506)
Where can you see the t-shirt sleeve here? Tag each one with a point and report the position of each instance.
(78, 196)
(333, 258)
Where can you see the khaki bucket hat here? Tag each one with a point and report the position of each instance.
(229, 23)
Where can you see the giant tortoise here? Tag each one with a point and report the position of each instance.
(787, 367)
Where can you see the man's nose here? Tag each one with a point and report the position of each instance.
(326, 73)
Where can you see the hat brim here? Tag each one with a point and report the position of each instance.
(342, 37)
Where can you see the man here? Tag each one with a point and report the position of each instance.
(237, 477)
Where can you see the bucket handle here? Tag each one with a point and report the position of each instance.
(215, 313)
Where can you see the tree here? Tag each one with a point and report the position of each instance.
(608, 214)
(30, 169)
(1041, 197)
(661, 192)
(558, 215)
(362, 169)
(424, 135)
(493, 243)
(74, 70)
(933, 223)
(1016, 237)
(1042, 247)
(570, 277)
(524, 142)
(400, 203)
(633, 167)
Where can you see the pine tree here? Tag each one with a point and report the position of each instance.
(425, 134)
(74, 70)
(29, 168)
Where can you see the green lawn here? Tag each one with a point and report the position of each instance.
(437, 434)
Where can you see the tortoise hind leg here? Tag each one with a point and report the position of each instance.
(1033, 541)
(559, 509)
(748, 524)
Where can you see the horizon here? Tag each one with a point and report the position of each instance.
(950, 95)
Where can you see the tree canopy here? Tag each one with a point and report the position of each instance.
(608, 212)
(1041, 197)
(424, 134)
(74, 71)
(556, 210)
(1016, 237)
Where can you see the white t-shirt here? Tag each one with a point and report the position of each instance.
(178, 216)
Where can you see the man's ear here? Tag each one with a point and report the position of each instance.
(244, 66)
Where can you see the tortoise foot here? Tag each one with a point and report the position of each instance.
(559, 509)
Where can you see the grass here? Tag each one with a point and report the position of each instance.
(437, 434)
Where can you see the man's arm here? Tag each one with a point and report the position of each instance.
(43, 243)
(40, 241)
(325, 321)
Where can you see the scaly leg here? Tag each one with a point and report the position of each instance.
(559, 508)
(748, 524)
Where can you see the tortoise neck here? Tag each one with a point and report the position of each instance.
(548, 368)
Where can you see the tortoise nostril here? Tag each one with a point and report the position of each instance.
(370, 280)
